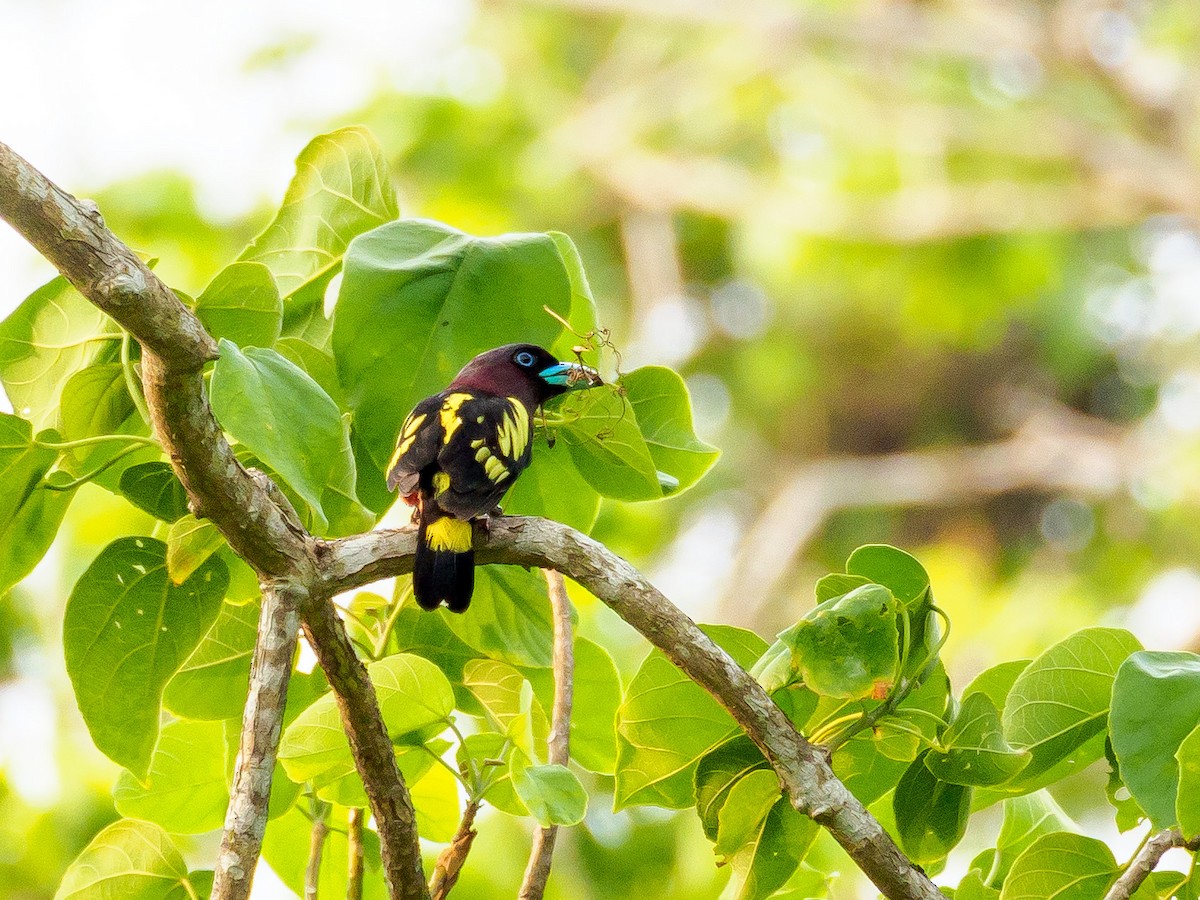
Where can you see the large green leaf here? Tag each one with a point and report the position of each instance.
(1061, 699)
(667, 723)
(1061, 866)
(995, 682)
(972, 751)
(582, 314)
(716, 775)
(283, 417)
(153, 487)
(341, 189)
(551, 793)
(552, 487)
(509, 618)
(601, 431)
(242, 304)
(95, 401)
(848, 646)
(128, 860)
(29, 512)
(766, 863)
(185, 790)
(740, 819)
(664, 415)
(1155, 705)
(1025, 820)
(23, 464)
(52, 335)
(212, 683)
(419, 299)
(931, 815)
(499, 687)
(1187, 801)
(126, 630)
(413, 695)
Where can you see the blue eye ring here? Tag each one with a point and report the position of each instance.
(524, 358)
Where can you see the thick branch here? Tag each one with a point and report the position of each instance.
(262, 724)
(803, 769)
(1143, 864)
(537, 872)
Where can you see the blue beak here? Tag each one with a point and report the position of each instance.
(570, 376)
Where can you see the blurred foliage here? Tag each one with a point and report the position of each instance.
(856, 229)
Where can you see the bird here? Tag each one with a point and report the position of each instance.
(460, 450)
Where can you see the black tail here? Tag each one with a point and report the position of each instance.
(444, 567)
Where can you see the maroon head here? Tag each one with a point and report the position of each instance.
(525, 371)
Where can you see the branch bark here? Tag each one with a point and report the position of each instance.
(802, 768)
(537, 872)
(1143, 864)
(248, 508)
(262, 724)
(451, 860)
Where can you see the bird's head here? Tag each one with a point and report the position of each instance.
(525, 371)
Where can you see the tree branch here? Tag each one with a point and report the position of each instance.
(316, 850)
(802, 768)
(450, 861)
(354, 853)
(1143, 864)
(262, 724)
(537, 872)
(247, 508)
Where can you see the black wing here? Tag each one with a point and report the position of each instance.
(487, 442)
(417, 445)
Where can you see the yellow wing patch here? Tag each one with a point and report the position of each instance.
(449, 415)
(441, 483)
(408, 434)
(494, 468)
(512, 434)
(449, 534)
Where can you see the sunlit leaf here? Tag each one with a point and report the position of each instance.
(1061, 866)
(551, 793)
(765, 864)
(1026, 819)
(190, 541)
(597, 696)
(509, 618)
(717, 773)
(212, 683)
(286, 847)
(607, 447)
(242, 304)
(749, 800)
(552, 487)
(436, 803)
(664, 415)
(1187, 802)
(184, 790)
(129, 860)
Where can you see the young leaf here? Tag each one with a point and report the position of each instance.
(419, 299)
(413, 694)
(1155, 705)
(931, 815)
(1025, 820)
(153, 488)
(664, 415)
(1187, 800)
(126, 630)
(341, 189)
(283, 417)
(848, 646)
(973, 750)
(128, 859)
(52, 335)
(765, 864)
(668, 722)
(242, 304)
(551, 793)
(1061, 699)
(190, 541)
(211, 684)
(1061, 866)
(185, 790)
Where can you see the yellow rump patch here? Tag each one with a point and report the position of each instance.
(448, 534)
(449, 415)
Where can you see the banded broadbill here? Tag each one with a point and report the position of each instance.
(460, 450)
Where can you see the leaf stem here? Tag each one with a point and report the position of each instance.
(132, 382)
(316, 849)
(138, 439)
(88, 476)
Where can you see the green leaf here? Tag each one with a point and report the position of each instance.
(896, 570)
(766, 864)
(717, 773)
(344, 786)
(498, 687)
(23, 464)
(490, 745)
(582, 313)
(1155, 705)
(1187, 802)
(95, 401)
(419, 299)
(435, 800)
(212, 683)
(243, 305)
(1128, 813)
(283, 417)
(318, 365)
(997, 681)
(185, 790)
(972, 887)
(664, 415)
(1025, 820)
(1061, 866)
(413, 695)
(128, 860)
(285, 849)
(601, 432)
(52, 335)
(667, 723)
(749, 800)
(836, 584)
(973, 750)
(931, 815)
(153, 488)
(848, 646)
(552, 487)
(29, 513)
(341, 189)
(126, 630)
(551, 793)
(509, 618)
(1061, 699)
(594, 712)
(190, 541)
(427, 634)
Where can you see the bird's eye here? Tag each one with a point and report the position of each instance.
(524, 358)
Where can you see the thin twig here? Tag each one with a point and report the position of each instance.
(354, 853)
(451, 860)
(316, 850)
(1143, 864)
(537, 872)
(262, 723)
